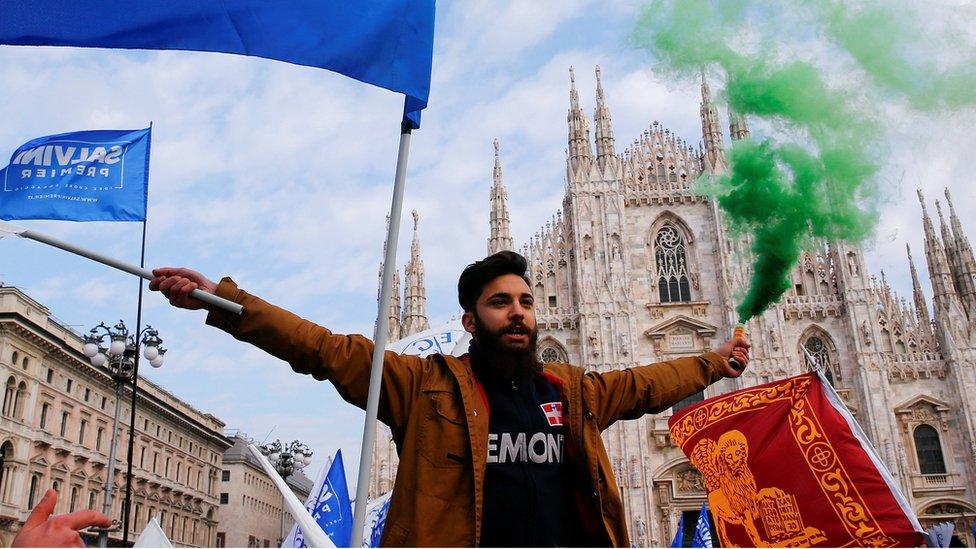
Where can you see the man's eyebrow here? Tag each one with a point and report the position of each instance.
(507, 295)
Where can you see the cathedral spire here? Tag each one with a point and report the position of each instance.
(957, 232)
(579, 131)
(604, 126)
(943, 289)
(393, 327)
(738, 128)
(964, 266)
(415, 296)
(711, 131)
(500, 238)
(921, 307)
(947, 241)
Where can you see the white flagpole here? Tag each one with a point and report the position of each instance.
(380, 337)
(314, 535)
(10, 228)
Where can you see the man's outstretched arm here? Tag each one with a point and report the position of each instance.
(345, 360)
(633, 392)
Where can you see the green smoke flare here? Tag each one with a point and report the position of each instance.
(814, 177)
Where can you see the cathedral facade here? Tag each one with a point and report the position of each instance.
(637, 267)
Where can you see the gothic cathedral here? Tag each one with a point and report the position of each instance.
(638, 268)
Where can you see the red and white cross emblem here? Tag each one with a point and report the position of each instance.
(554, 413)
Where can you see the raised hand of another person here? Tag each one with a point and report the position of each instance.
(42, 530)
(176, 283)
(737, 348)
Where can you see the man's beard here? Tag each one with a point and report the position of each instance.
(490, 358)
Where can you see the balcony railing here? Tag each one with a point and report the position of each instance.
(936, 482)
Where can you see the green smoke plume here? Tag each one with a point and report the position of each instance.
(815, 176)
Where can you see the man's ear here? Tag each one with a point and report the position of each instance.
(467, 321)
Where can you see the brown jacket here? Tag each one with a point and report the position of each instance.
(434, 409)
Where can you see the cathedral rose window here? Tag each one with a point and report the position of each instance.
(672, 265)
(549, 355)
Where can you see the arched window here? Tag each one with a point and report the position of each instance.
(32, 491)
(13, 360)
(672, 265)
(24, 362)
(9, 395)
(6, 452)
(929, 451)
(20, 398)
(820, 354)
(551, 287)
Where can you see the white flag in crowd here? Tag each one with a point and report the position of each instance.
(152, 536)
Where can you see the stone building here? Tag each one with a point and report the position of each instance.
(637, 267)
(250, 513)
(55, 431)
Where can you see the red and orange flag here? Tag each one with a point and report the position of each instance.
(786, 465)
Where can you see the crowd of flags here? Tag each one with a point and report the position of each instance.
(330, 506)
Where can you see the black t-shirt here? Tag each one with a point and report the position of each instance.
(527, 477)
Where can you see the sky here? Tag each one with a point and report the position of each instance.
(280, 176)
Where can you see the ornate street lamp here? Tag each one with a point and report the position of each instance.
(118, 355)
(287, 459)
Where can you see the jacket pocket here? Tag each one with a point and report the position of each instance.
(444, 430)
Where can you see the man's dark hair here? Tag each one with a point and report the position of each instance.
(475, 276)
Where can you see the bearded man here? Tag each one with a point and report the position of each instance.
(495, 448)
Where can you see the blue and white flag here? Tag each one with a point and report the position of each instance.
(387, 43)
(97, 175)
(679, 536)
(376, 512)
(447, 339)
(329, 505)
(703, 534)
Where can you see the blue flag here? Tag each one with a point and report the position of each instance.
(703, 534)
(329, 505)
(334, 510)
(387, 43)
(98, 175)
(679, 536)
(376, 513)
